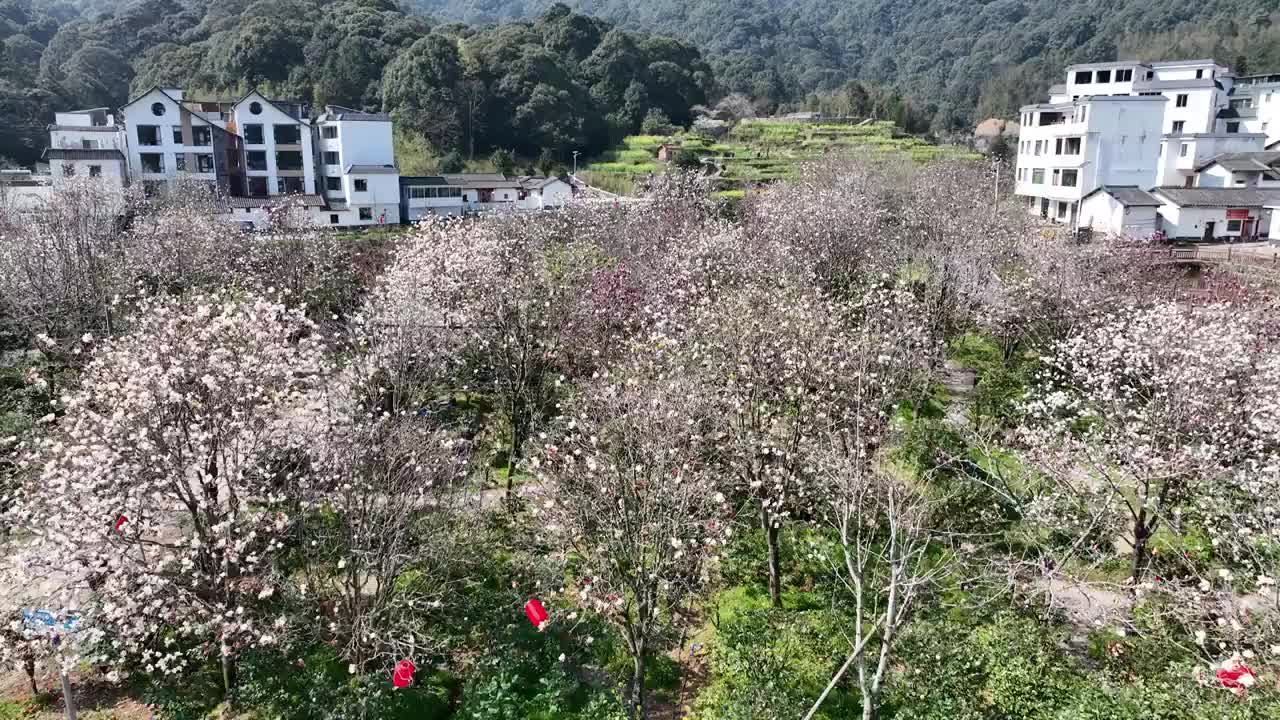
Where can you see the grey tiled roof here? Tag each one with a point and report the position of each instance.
(82, 154)
(1245, 161)
(1128, 195)
(371, 169)
(256, 202)
(1218, 197)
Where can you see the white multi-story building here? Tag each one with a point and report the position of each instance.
(358, 167)
(1066, 150)
(169, 141)
(260, 153)
(1131, 124)
(278, 142)
(87, 143)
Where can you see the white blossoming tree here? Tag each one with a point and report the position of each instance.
(391, 544)
(1138, 415)
(632, 505)
(164, 490)
(492, 303)
(775, 361)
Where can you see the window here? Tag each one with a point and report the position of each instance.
(1084, 77)
(1069, 178)
(180, 162)
(202, 136)
(361, 185)
(288, 185)
(286, 134)
(1044, 207)
(1182, 149)
(329, 132)
(333, 218)
(1150, 74)
(1180, 100)
(157, 109)
(366, 213)
(1199, 74)
(1073, 146)
(1057, 147)
(288, 160)
(152, 162)
(1233, 127)
(257, 187)
(1124, 75)
(419, 193)
(1057, 178)
(68, 170)
(95, 171)
(1038, 147)
(1037, 176)
(333, 184)
(177, 135)
(1234, 226)
(253, 134)
(255, 107)
(330, 157)
(1178, 125)
(88, 144)
(148, 135)
(204, 163)
(1062, 209)
(257, 159)
(1104, 76)
(1242, 103)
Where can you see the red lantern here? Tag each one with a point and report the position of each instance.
(536, 613)
(403, 675)
(1236, 677)
(120, 522)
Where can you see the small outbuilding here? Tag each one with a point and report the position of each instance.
(1216, 213)
(1120, 210)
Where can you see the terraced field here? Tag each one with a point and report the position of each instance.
(757, 152)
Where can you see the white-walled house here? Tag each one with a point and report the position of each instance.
(87, 143)
(167, 141)
(1215, 213)
(279, 156)
(1067, 150)
(1085, 134)
(1248, 169)
(1126, 211)
(460, 193)
(358, 176)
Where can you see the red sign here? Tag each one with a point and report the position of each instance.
(403, 675)
(536, 613)
(1238, 214)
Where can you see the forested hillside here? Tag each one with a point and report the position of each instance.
(957, 59)
(558, 82)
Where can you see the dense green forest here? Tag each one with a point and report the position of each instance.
(958, 60)
(562, 81)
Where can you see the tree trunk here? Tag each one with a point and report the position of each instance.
(1139, 564)
(29, 666)
(635, 703)
(68, 697)
(513, 457)
(870, 707)
(228, 680)
(775, 570)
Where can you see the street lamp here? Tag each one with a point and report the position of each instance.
(575, 163)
